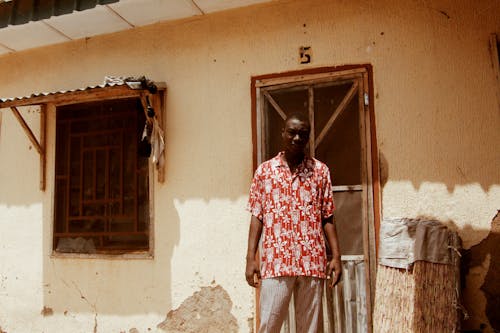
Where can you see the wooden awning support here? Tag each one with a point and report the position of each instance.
(39, 146)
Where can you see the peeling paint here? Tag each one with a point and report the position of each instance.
(46, 311)
(207, 311)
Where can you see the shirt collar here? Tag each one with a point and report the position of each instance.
(307, 162)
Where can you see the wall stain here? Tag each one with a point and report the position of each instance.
(250, 321)
(491, 288)
(384, 168)
(445, 14)
(206, 311)
(46, 311)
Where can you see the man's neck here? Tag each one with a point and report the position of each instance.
(293, 159)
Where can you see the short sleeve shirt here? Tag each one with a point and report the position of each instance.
(291, 208)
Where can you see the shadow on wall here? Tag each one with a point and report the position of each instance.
(125, 287)
(115, 287)
(480, 266)
(194, 168)
(19, 160)
(482, 263)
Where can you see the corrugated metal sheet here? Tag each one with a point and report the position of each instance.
(15, 12)
(60, 92)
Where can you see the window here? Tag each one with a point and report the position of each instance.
(102, 178)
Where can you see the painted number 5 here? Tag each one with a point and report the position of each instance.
(305, 54)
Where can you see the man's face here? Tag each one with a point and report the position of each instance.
(295, 135)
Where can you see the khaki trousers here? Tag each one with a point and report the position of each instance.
(275, 295)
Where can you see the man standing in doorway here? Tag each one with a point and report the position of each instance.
(291, 203)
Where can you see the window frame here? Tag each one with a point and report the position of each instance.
(132, 105)
(158, 103)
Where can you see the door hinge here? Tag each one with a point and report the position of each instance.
(367, 99)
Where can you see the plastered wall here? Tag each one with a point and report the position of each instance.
(437, 121)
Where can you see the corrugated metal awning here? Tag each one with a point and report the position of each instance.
(116, 88)
(15, 12)
(29, 100)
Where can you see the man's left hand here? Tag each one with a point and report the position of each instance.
(334, 267)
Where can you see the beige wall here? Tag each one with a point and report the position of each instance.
(437, 119)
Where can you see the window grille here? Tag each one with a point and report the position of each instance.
(101, 178)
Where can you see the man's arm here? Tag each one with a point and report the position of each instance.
(252, 267)
(333, 266)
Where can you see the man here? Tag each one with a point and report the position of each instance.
(291, 203)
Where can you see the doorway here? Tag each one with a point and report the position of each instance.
(337, 102)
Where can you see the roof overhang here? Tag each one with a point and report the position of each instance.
(26, 24)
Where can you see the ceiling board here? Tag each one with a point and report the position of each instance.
(152, 11)
(3, 50)
(29, 35)
(107, 19)
(210, 6)
(96, 21)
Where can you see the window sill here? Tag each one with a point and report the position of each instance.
(126, 256)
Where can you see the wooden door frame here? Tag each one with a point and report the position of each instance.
(372, 140)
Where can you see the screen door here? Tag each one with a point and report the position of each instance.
(338, 108)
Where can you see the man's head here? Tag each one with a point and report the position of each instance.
(295, 133)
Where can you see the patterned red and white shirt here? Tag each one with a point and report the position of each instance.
(291, 208)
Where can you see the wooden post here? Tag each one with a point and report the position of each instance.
(158, 101)
(43, 155)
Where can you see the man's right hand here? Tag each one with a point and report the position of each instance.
(252, 272)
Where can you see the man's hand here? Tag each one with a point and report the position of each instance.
(252, 268)
(334, 267)
(252, 272)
